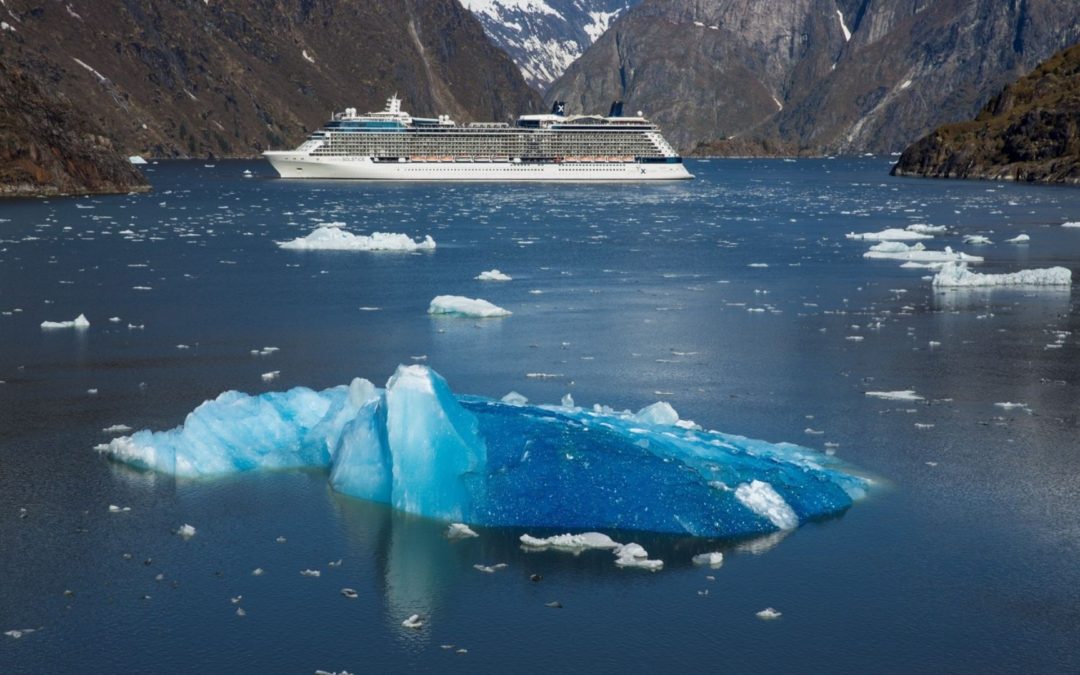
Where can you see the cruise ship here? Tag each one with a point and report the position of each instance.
(394, 145)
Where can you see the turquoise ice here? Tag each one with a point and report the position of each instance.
(420, 448)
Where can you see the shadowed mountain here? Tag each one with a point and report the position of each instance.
(175, 78)
(813, 76)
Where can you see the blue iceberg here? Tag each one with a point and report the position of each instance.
(420, 448)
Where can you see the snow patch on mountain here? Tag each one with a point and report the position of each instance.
(544, 37)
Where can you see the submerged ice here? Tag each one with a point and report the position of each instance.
(420, 448)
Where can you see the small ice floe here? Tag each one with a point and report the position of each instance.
(554, 604)
(79, 323)
(113, 508)
(310, 573)
(280, 540)
(115, 319)
(334, 563)
(19, 632)
(1073, 223)
(236, 600)
(1009, 405)
(240, 611)
(413, 621)
(456, 305)
(489, 569)
(635, 556)
(92, 392)
(1018, 239)
(712, 559)
(186, 531)
(976, 239)
(183, 346)
(257, 572)
(917, 252)
(116, 429)
(493, 275)
(567, 402)
(891, 234)
(768, 614)
(350, 593)
(331, 237)
(758, 265)
(899, 395)
(574, 543)
(460, 531)
(514, 398)
(271, 376)
(923, 228)
(955, 275)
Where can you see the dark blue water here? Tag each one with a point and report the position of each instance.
(962, 559)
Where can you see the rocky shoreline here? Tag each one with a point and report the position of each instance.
(1030, 132)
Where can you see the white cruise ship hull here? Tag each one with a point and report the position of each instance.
(290, 164)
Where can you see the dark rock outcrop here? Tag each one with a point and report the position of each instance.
(1028, 132)
(47, 147)
(819, 76)
(230, 78)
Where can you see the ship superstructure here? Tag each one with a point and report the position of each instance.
(394, 145)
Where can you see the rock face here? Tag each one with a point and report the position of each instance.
(179, 78)
(543, 37)
(813, 76)
(1028, 132)
(47, 147)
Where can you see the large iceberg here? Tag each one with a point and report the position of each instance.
(420, 448)
(954, 275)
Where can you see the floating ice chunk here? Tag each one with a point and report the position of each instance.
(976, 239)
(494, 275)
(18, 633)
(768, 614)
(456, 305)
(660, 412)
(1009, 405)
(331, 237)
(762, 499)
(419, 448)
(116, 429)
(413, 622)
(79, 323)
(567, 402)
(113, 508)
(1018, 239)
(514, 398)
(186, 531)
(489, 569)
(310, 573)
(923, 228)
(713, 559)
(574, 543)
(891, 234)
(271, 376)
(635, 556)
(350, 593)
(460, 531)
(758, 265)
(953, 275)
(1074, 223)
(917, 252)
(135, 159)
(899, 395)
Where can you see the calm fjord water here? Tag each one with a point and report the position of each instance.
(963, 558)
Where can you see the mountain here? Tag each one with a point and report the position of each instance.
(813, 76)
(543, 37)
(48, 148)
(1028, 132)
(176, 78)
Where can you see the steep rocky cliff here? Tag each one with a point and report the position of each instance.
(173, 78)
(1028, 132)
(48, 148)
(816, 76)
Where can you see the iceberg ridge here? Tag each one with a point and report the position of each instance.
(418, 447)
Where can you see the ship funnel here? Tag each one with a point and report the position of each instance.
(616, 109)
(559, 108)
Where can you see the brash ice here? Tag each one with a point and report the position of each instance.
(418, 447)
